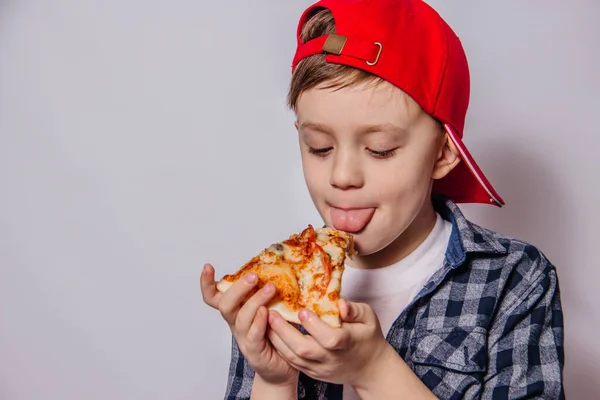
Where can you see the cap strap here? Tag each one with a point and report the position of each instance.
(365, 50)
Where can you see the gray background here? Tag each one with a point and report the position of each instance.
(140, 139)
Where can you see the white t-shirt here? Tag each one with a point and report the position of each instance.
(390, 289)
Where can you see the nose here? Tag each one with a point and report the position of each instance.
(346, 172)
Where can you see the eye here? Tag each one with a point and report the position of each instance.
(321, 152)
(383, 153)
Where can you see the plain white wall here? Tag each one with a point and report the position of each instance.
(139, 139)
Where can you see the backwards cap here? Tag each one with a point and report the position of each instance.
(408, 44)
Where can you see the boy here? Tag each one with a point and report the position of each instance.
(433, 305)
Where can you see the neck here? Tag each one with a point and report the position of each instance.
(403, 245)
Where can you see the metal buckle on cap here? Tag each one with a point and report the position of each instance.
(378, 54)
(334, 44)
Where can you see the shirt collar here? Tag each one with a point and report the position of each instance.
(466, 237)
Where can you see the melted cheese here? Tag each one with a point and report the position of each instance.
(307, 271)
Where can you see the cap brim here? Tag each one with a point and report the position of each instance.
(466, 183)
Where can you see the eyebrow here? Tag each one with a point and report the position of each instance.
(382, 128)
(315, 126)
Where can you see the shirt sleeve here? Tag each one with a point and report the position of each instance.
(526, 344)
(241, 378)
(241, 375)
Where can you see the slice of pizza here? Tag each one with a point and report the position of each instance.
(307, 272)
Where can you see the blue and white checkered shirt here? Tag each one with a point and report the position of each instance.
(487, 325)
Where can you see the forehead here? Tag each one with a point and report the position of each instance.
(360, 104)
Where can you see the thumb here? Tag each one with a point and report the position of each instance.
(356, 312)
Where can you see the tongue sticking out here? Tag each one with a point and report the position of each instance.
(351, 221)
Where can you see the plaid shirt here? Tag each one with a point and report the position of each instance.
(487, 325)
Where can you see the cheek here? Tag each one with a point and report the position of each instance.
(400, 202)
(315, 176)
(400, 181)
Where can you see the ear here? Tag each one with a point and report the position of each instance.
(296, 124)
(447, 158)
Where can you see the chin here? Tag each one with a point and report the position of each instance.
(368, 243)
(366, 249)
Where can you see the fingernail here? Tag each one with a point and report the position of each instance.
(269, 288)
(271, 317)
(303, 315)
(251, 277)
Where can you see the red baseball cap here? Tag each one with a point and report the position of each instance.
(408, 44)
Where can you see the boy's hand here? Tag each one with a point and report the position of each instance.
(248, 324)
(350, 355)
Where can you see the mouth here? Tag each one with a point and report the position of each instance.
(351, 219)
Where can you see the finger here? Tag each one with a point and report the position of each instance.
(247, 313)
(258, 330)
(285, 352)
(210, 294)
(232, 299)
(328, 337)
(344, 309)
(356, 312)
(301, 345)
